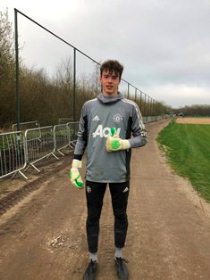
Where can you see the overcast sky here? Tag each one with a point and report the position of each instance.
(164, 45)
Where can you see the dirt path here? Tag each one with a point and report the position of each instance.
(43, 235)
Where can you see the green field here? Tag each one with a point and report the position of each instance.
(188, 150)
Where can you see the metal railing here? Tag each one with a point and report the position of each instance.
(12, 153)
(39, 145)
(73, 128)
(148, 119)
(61, 134)
(20, 150)
(25, 125)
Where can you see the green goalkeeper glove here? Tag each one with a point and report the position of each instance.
(74, 174)
(115, 143)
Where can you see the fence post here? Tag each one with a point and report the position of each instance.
(74, 87)
(128, 90)
(17, 72)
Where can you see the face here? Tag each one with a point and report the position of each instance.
(110, 82)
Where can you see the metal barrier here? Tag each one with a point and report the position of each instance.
(26, 125)
(12, 154)
(61, 134)
(73, 129)
(19, 150)
(148, 119)
(64, 120)
(39, 145)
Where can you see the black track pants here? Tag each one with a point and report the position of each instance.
(95, 194)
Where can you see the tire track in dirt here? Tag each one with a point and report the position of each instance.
(16, 196)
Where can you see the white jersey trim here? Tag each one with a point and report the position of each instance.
(139, 115)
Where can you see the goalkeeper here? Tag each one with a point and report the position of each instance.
(110, 125)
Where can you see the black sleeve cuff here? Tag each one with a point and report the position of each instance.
(78, 157)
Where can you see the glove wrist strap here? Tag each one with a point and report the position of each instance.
(76, 163)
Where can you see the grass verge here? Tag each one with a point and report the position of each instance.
(187, 147)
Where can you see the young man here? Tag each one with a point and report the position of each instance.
(106, 126)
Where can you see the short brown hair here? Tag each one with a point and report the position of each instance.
(112, 66)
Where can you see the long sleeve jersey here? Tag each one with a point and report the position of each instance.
(97, 117)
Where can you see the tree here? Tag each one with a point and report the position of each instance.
(7, 66)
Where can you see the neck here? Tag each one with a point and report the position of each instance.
(110, 95)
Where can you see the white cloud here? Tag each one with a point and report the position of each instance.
(163, 44)
(179, 95)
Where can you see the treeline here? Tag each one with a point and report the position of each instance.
(194, 110)
(7, 68)
(43, 98)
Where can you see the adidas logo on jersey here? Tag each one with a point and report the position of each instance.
(96, 119)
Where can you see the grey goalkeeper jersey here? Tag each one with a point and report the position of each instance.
(97, 117)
